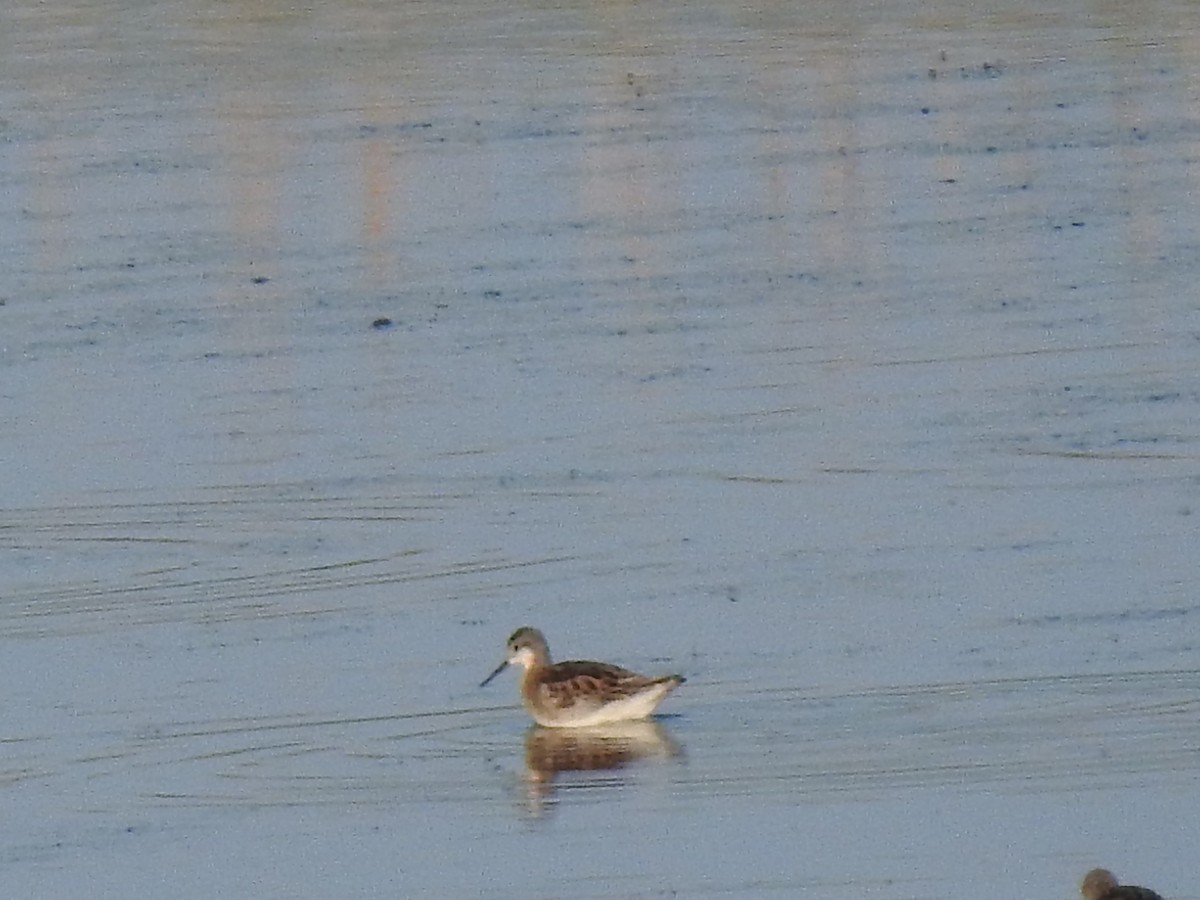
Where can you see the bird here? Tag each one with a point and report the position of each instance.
(1101, 884)
(579, 693)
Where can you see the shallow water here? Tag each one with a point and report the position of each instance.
(841, 358)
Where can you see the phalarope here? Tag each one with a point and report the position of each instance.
(579, 693)
(1101, 884)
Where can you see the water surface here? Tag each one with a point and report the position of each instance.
(839, 357)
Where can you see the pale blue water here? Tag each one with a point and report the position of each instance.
(843, 359)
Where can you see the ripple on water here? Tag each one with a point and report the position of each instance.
(1055, 733)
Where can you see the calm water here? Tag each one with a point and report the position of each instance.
(841, 356)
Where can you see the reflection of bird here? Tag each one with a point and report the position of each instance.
(578, 694)
(593, 757)
(1101, 884)
(600, 748)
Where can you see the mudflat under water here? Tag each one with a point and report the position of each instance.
(840, 356)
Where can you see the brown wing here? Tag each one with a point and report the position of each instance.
(1131, 892)
(591, 683)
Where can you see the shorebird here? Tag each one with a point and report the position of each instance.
(579, 693)
(1101, 884)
